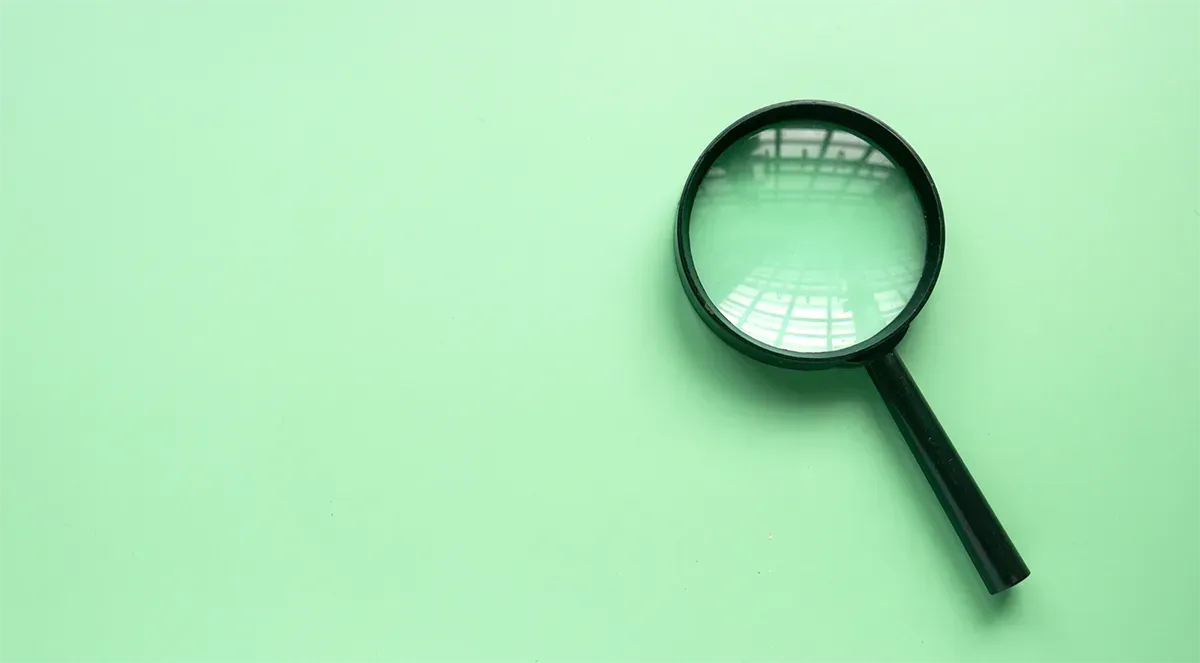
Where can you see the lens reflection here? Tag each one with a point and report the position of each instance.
(807, 237)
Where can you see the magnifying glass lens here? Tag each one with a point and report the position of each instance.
(808, 237)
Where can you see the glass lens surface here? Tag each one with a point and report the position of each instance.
(807, 237)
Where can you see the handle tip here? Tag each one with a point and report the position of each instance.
(999, 583)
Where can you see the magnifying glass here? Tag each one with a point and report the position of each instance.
(809, 235)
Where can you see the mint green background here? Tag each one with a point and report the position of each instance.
(351, 332)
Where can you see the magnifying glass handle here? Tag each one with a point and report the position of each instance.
(997, 560)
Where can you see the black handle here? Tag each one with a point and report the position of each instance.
(997, 560)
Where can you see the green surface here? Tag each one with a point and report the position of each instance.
(351, 332)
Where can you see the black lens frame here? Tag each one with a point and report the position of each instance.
(901, 154)
(996, 559)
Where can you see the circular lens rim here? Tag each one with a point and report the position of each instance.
(902, 154)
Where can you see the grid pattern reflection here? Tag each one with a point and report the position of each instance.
(786, 303)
